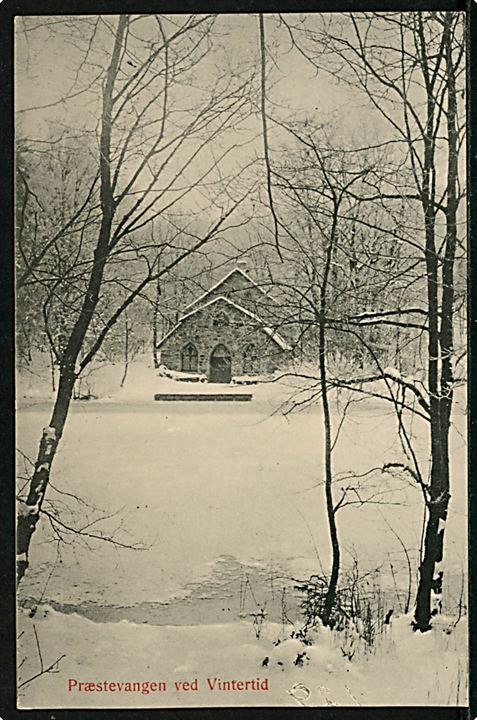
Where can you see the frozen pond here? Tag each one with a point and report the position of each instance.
(216, 495)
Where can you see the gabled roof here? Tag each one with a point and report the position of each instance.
(226, 277)
(272, 334)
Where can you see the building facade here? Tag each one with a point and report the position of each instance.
(229, 331)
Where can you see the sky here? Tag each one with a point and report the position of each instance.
(49, 52)
(45, 65)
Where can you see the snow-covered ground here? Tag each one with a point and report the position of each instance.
(403, 669)
(216, 494)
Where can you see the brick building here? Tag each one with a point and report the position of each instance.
(227, 332)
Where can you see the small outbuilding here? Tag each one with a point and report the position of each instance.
(228, 331)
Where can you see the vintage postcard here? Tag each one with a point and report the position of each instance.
(241, 379)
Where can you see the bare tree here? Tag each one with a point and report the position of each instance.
(410, 66)
(322, 192)
(151, 139)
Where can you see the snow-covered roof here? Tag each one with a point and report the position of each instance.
(226, 277)
(273, 335)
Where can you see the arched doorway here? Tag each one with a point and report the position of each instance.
(189, 358)
(220, 365)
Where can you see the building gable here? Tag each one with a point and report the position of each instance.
(238, 287)
(247, 317)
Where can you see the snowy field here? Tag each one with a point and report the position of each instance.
(404, 669)
(219, 495)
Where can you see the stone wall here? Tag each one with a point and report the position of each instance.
(220, 323)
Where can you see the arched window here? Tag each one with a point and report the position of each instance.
(251, 360)
(189, 358)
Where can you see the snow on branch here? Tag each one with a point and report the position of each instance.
(364, 322)
(389, 374)
(389, 467)
(384, 313)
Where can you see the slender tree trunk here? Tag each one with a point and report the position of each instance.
(335, 547)
(330, 597)
(52, 368)
(426, 570)
(29, 512)
(126, 351)
(440, 386)
(155, 318)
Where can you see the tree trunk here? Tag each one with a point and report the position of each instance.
(441, 389)
(335, 547)
(126, 352)
(330, 597)
(155, 318)
(430, 582)
(29, 512)
(52, 368)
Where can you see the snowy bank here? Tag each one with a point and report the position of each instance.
(128, 665)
